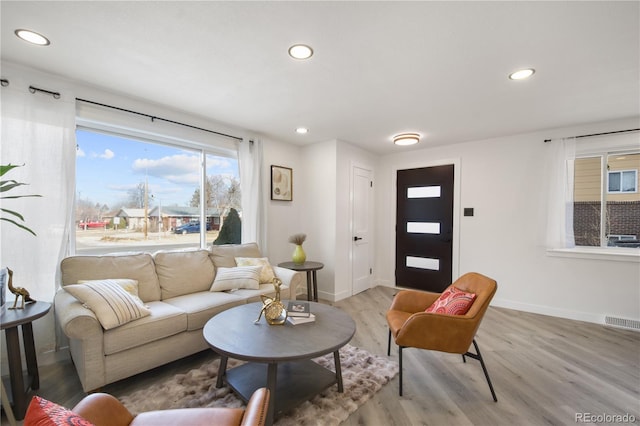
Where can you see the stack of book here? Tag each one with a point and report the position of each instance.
(299, 313)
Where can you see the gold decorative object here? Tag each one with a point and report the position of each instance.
(19, 292)
(273, 308)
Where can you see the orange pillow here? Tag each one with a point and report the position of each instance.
(452, 301)
(46, 413)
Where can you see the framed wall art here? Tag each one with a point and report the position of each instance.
(281, 183)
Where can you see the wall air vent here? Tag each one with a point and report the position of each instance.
(622, 323)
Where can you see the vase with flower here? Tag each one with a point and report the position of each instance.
(299, 256)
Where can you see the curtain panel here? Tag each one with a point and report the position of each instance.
(560, 161)
(252, 193)
(38, 132)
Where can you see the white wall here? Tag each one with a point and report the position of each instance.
(503, 180)
(318, 215)
(283, 217)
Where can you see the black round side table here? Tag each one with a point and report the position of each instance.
(312, 280)
(10, 320)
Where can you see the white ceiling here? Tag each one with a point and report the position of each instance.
(380, 68)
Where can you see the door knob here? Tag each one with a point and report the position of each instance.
(356, 238)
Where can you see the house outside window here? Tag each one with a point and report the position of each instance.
(606, 200)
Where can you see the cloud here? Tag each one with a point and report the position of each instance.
(107, 154)
(80, 152)
(179, 168)
(218, 162)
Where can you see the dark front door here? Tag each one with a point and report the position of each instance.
(424, 228)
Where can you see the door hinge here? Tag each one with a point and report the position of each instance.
(370, 271)
(371, 183)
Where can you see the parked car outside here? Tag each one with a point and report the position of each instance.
(93, 224)
(189, 228)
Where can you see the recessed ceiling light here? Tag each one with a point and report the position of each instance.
(405, 139)
(32, 37)
(300, 51)
(522, 74)
(302, 130)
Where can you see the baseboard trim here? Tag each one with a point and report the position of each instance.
(596, 318)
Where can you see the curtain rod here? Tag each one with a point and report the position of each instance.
(153, 118)
(56, 95)
(597, 134)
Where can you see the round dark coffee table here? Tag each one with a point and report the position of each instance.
(279, 356)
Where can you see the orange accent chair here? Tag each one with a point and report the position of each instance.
(412, 327)
(102, 409)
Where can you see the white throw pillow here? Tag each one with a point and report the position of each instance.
(238, 277)
(266, 274)
(109, 301)
(128, 285)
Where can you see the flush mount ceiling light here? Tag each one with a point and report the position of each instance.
(32, 37)
(302, 130)
(522, 74)
(405, 139)
(300, 51)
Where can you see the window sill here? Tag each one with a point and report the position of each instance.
(616, 254)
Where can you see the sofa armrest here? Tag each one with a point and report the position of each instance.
(75, 320)
(289, 278)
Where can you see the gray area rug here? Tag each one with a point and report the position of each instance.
(363, 374)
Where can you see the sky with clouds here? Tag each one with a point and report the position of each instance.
(108, 166)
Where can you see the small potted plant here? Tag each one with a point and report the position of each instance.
(299, 255)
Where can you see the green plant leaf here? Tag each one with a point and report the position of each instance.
(8, 185)
(18, 225)
(11, 212)
(4, 168)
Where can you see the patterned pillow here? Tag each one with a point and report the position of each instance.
(266, 274)
(452, 301)
(238, 277)
(109, 301)
(46, 413)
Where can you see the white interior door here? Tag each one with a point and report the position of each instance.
(362, 213)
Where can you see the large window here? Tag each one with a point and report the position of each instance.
(134, 195)
(606, 200)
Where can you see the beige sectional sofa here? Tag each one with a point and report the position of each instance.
(174, 286)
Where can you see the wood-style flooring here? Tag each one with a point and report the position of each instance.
(545, 371)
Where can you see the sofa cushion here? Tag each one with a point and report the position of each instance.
(183, 272)
(200, 307)
(225, 255)
(138, 266)
(112, 305)
(238, 277)
(266, 273)
(165, 320)
(254, 295)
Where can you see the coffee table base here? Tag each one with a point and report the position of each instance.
(291, 383)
